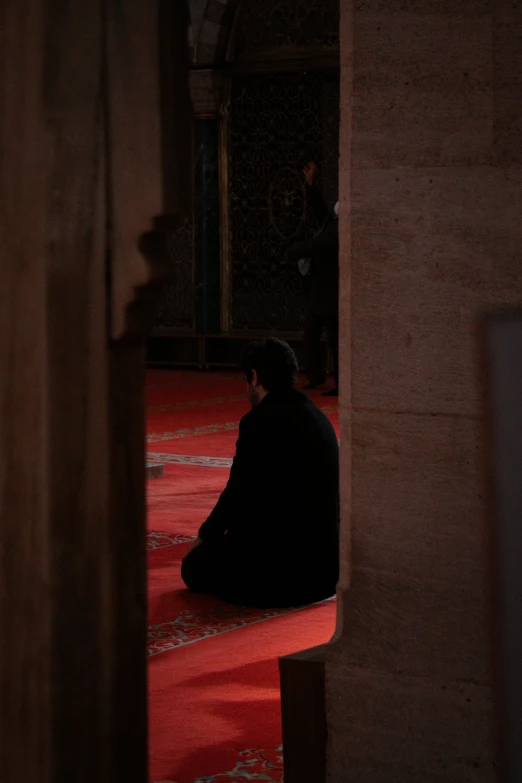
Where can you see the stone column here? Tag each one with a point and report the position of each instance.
(80, 120)
(205, 99)
(431, 197)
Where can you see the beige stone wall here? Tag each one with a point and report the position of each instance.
(431, 203)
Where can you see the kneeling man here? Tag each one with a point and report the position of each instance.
(272, 539)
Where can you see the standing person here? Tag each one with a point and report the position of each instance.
(319, 261)
(272, 540)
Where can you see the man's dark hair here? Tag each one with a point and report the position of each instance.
(275, 364)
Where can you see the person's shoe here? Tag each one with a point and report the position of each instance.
(331, 393)
(314, 383)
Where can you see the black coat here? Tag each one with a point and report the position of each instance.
(323, 250)
(281, 503)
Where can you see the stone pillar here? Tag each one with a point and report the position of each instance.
(205, 100)
(431, 197)
(80, 120)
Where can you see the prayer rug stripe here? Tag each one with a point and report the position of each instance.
(189, 628)
(206, 429)
(191, 459)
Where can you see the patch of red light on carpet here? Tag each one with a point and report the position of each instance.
(214, 711)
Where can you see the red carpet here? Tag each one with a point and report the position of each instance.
(213, 669)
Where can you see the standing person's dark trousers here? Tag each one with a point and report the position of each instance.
(272, 539)
(315, 355)
(314, 325)
(314, 348)
(332, 335)
(322, 287)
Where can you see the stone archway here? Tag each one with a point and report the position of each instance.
(211, 23)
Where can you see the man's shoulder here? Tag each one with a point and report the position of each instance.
(247, 419)
(285, 419)
(317, 417)
(305, 409)
(296, 402)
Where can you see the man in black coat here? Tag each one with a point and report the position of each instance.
(321, 284)
(272, 539)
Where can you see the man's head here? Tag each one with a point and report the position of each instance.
(269, 365)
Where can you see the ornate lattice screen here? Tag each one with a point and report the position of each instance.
(176, 306)
(276, 124)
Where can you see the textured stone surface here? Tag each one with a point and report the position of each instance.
(431, 197)
(434, 247)
(423, 627)
(508, 45)
(455, 226)
(508, 124)
(400, 728)
(428, 102)
(418, 497)
(72, 502)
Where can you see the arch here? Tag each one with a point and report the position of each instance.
(213, 23)
(269, 30)
(211, 26)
